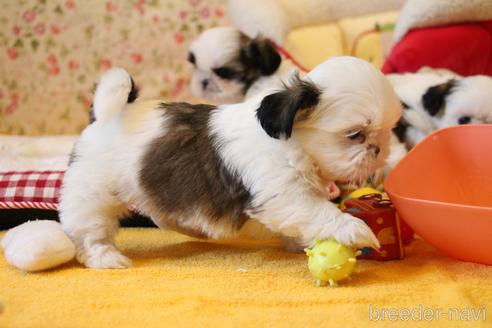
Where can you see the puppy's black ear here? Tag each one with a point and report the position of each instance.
(277, 111)
(261, 54)
(400, 130)
(434, 98)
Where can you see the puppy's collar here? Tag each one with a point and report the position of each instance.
(287, 55)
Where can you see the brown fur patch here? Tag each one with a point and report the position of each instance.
(181, 170)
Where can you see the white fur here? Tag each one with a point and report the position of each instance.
(398, 150)
(273, 82)
(422, 13)
(285, 177)
(109, 100)
(471, 97)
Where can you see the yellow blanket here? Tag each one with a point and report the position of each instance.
(178, 281)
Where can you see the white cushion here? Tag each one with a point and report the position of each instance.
(424, 13)
(37, 245)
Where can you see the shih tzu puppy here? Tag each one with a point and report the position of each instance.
(433, 101)
(229, 66)
(460, 101)
(205, 170)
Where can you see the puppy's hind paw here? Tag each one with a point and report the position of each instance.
(355, 233)
(104, 256)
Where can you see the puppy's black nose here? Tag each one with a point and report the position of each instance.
(204, 84)
(375, 149)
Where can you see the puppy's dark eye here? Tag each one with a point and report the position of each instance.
(191, 58)
(225, 73)
(357, 136)
(464, 120)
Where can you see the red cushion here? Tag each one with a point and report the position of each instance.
(30, 189)
(463, 48)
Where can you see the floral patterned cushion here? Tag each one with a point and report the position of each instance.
(52, 52)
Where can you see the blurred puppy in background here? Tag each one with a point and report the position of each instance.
(434, 100)
(229, 66)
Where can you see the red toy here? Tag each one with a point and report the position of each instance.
(380, 215)
(464, 48)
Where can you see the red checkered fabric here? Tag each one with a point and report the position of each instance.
(30, 189)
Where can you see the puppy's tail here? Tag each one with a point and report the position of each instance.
(114, 90)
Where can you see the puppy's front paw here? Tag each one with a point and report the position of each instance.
(354, 232)
(104, 256)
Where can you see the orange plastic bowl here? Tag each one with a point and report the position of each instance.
(443, 190)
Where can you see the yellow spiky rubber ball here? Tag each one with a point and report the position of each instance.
(330, 262)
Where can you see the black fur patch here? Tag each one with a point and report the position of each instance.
(400, 130)
(133, 95)
(260, 53)
(92, 116)
(277, 111)
(464, 120)
(182, 170)
(191, 58)
(434, 98)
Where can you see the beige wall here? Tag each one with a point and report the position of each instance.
(52, 52)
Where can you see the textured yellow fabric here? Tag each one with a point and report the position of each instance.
(314, 44)
(178, 281)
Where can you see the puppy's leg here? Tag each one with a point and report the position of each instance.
(89, 214)
(89, 208)
(350, 231)
(310, 217)
(331, 223)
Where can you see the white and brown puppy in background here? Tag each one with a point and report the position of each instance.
(434, 101)
(204, 170)
(229, 66)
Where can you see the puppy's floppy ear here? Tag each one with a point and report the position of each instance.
(435, 96)
(261, 54)
(277, 111)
